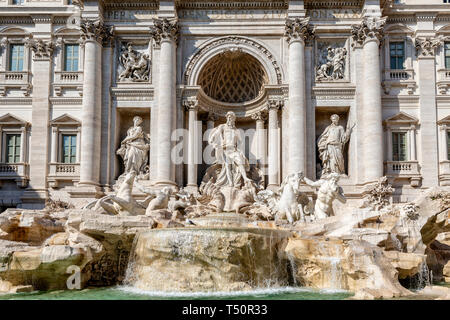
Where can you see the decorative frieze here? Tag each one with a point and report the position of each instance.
(371, 28)
(165, 29)
(298, 29)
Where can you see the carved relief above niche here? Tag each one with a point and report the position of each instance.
(133, 61)
(331, 60)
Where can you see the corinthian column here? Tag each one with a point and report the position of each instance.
(427, 110)
(274, 148)
(261, 135)
(36, 192)
(193, 144)
(368, 35)
(165, 34)
(297, 31)
(93, 33)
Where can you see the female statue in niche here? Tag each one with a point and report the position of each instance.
(331, 145)
(134, 149)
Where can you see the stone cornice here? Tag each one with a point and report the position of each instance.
(43, 50)
(16, 101)
(66, 100)
(370, 29)
(131, 4)
(328, 4)
(230, 5)
(298, 29)
(94, 30)
(165, 29)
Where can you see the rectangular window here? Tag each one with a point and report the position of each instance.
(69, 148)
(397, 54)
(447, 54)
(71, 57)
(13, 148)
(18, 1)
(16, 57)
(399, 146)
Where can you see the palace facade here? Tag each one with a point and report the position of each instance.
(75, 74)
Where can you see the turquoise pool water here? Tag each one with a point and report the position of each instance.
(126, 293)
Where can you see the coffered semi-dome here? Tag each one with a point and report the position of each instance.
(233, 77)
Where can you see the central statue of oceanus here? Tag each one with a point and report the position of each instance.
(225, 140)
(230, 183)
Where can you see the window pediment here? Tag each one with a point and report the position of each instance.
(11, 120)
(65, 120)
(445, 120)
(401, 118)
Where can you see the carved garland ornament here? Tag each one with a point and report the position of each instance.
(371, 28)
(298, 29)
(234, 40)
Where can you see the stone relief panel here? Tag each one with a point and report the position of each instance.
(331, 61)
(134, 62)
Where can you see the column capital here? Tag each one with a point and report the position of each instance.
(94, 30)
(212, 117)
(425, 47)
(298, 29)
(190, 104)
(42, 50)
(370, 29)
(165, 30)
(260, 116)
(275, 104)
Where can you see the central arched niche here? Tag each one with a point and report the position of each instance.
(233, 77)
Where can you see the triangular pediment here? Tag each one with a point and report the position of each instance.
(11, 120)
(401, 118)
(446, 120)
(67, 120)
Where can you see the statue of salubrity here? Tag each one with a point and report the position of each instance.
(331, 144)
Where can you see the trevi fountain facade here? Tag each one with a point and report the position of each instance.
(203, 146)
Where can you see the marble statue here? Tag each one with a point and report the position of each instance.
(287, 202)
(331, 144)
(123, 202)
(230, 183)
(135, 65)
(225, 139)
(334, 67)
(328, 191)
(134, 149)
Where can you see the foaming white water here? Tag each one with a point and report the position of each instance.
(256, 292)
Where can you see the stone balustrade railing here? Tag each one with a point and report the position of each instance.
(402, 167)
(398, 75)
(64, 170)
(12, 77)
(444, 74)
(15, 171)
(68, 77)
